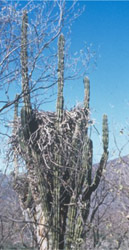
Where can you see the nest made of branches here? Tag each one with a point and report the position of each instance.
(55, 145)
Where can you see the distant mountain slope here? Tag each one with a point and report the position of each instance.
(110, 223)
(108, 217)
(12, 232)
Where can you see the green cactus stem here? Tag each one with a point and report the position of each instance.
(104, 157)
(24, 62)
(69, 234)
(16, 108)
(105, 133)
(60, 98)
(58, 158)
(87, 161)
(26, 111)
(86, 92)
(14, 131)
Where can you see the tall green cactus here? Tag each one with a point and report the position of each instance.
(71, 184)
(27, 120)
(24, 62)
(26, 110)
(16, 109)
(105, 133)
(58, 158)
(30, 151)
(79, 211)
(14, 130)
(86, 92)
(60, 98)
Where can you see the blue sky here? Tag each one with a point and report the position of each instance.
(106, 26)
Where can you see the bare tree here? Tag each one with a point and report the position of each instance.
(46, 20)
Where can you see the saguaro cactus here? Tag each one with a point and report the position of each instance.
(35, 179)
(59, 159)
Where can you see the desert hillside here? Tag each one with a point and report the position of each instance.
(109, 214)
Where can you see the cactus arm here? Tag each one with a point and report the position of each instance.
(26, 111)
(105, 134)
(72, 207)
(86, 92)
(87, 150)
(99, 172)
(80, 132)
(78, 240)
(83, 178)
(90, 160)
(69, 234)
(58, 158)
(16, 108)
(86, 82)
(24, 62)
(60, 99)
(87, 159)
(104, 157)
(14, 130)
(56, 208)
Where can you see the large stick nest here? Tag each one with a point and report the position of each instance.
(53, 146)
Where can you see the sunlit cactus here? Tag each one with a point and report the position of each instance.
(78, 210)
(28, 122)
(58, 153)
(87, 92)
(16, 108)
(60, 98)
(14, 131)
(26, 110)
(105, 133)
(24, 62)
(58, 158)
